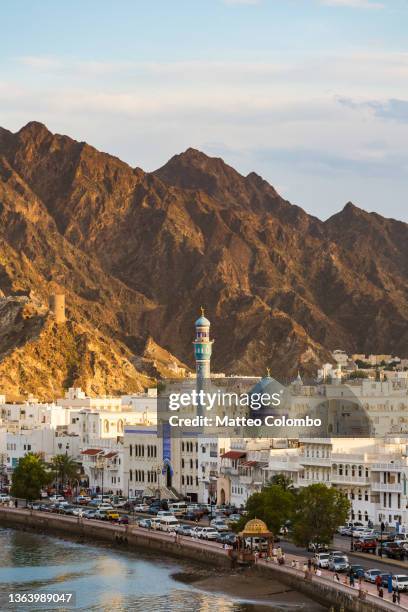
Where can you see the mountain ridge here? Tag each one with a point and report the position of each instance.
(138, 252)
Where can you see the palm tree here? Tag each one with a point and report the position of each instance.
(65, 468)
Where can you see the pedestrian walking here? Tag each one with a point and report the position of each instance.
(381, 592)
(336, 577)
(378, 582)
(352, 579)
(394, 597)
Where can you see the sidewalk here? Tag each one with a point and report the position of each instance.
(329, 576)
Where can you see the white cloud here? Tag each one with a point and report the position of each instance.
(359, 4)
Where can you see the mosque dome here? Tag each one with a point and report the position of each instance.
(202, 321)
(255, 527)
(262, 385)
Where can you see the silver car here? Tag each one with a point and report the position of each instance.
(338, 564)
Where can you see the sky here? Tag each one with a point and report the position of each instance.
(310, 94)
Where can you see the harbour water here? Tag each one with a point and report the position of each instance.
(109, 580)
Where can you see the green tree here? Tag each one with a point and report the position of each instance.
(319, 511)
(29, 477)
(283, 481)
(358, 374)
(273, 505)
(64, 468)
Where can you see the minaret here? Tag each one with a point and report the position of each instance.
(202, 349)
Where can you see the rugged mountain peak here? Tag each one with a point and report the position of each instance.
(34, 129)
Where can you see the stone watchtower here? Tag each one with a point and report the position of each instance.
(57, 306)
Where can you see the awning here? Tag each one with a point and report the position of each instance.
(233, 455)
(110, 455)
(253, 464)
(91, 451)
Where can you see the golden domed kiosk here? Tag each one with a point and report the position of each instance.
(252, 539)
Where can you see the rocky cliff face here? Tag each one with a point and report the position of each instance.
(137, 254)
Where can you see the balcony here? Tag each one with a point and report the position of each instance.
(349, 480)
(321, 461)
(229, 471)
(386, 487)
(388, 467)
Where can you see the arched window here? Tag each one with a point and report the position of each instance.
(360, 471)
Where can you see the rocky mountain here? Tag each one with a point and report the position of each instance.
(137, 253)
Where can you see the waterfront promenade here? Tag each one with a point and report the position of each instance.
(322, 588)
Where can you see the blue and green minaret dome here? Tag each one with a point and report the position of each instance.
(202, 321)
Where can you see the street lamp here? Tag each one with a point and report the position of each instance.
(381, 539)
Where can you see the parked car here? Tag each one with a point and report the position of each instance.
(356, 570)
(234, 518)
(316, 547)
(357, 531)
(219, 525)
(82, 500)
(196, 531)
(146, 523)
(392, 550)
(123, 519)
(168, 523)
(400, 582)
(140, 507)
(89, 514)
(4, 498)
(338, 553)
(322, 559)
(34, 506)
(78, 512)
(208, 533)
(57, 498)
(366, 544)
(184, 530)
(338, 564)
(343, 530)
(105, 506)
(371, 574)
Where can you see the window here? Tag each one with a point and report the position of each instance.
(130, 475)
(130, 450)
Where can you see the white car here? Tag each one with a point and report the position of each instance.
(57, 498)
(219, 525)
(105, 506)
(358, 531)
(77, 512)
(208, 533)
(4, 498)
(400, 582)
(196, 531)
(141, 508)
(322, 559)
